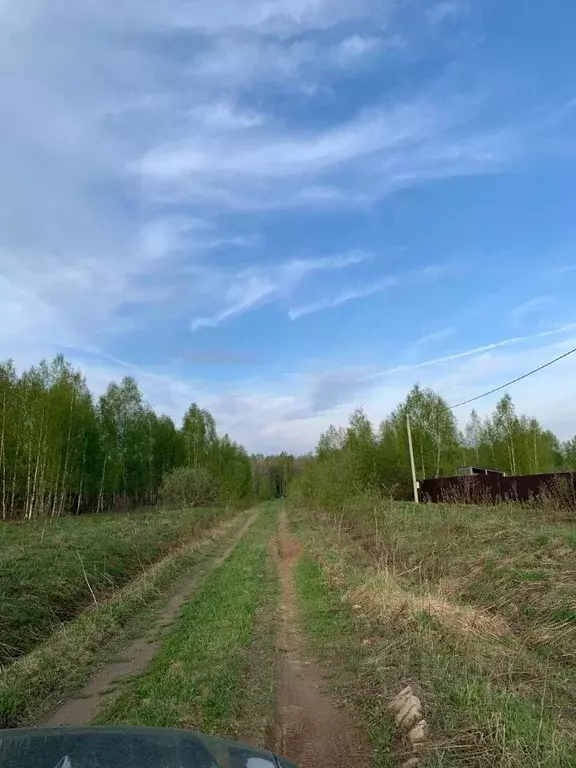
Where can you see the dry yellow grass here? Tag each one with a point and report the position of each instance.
(385, 599)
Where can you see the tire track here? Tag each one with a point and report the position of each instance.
(310, 730)
(83, 708)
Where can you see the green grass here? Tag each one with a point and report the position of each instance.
(437, 598)
(50, 568)
(197, 679)
(32, 686)
(254, 719)
(327, 623)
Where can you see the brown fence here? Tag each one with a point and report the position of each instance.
(491, 489)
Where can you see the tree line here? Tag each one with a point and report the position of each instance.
(62, 451)
(272, 475)
(361, 456)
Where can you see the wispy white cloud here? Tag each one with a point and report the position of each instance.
(282, 154)
(356, 46)
(528, 309)
(244, 292)
(225, 116)
(378, 151)
(297, 64)
(272, 16)
(435, 337)
(424, 274)
(353, 294)
(240, 291)
(299, 268)
(164, 236)
(448, 9)
(481, 349)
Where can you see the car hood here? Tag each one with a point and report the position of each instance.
(119, 747)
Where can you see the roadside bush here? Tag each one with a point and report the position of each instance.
(187, 487)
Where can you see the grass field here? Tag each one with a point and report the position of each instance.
(472, 606)
(214, 671)
(52, 569)
(33, 685)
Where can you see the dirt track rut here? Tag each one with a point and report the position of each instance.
(310, 730)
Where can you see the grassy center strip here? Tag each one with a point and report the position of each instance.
(254, 722)
(197, 679)
(478, 689)
(35, 684)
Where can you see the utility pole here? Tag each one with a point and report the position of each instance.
(412, 466)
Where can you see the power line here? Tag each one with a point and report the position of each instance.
(525, 376)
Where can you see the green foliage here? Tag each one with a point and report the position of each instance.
(569, 451)
(62, 452)
(188, 487)
(272, 475)
(223, 460)
(231, 465)
(199, 432)
(358, 459)
(514, 444)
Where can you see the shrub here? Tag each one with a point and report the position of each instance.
(186, 487)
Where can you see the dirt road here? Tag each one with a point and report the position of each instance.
(303, 722)
(83, 708)
(311, 731)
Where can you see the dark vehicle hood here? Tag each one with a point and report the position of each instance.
(119, 747)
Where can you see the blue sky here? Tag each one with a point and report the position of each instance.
(284, 209)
